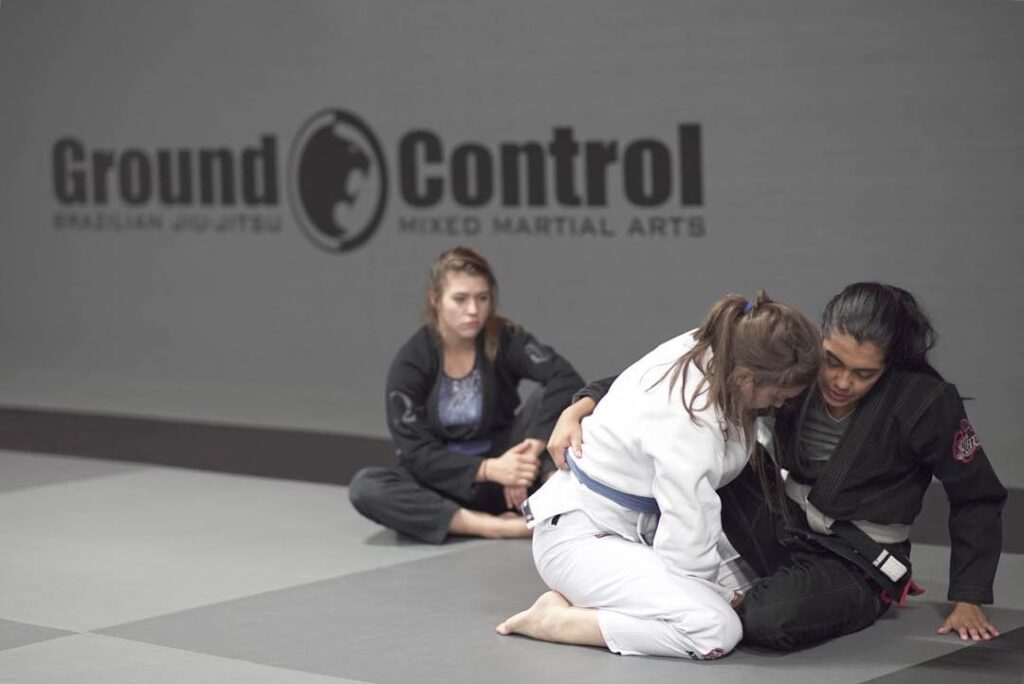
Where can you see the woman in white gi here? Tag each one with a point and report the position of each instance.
(629, 546)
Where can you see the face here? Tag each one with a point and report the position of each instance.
(850, 370)
(463, 306)
(769, 396)
(761, 398)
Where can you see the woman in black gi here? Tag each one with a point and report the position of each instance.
(860, 449)
(467, 457)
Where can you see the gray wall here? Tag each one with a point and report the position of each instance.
(840, 141)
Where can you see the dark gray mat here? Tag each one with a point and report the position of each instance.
(290, 454)
(14, 634)
(296, 454)
(1000, 661)
(432, 621)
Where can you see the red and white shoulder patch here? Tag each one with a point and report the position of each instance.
(965, 442)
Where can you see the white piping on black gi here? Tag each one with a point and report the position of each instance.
(888, 564)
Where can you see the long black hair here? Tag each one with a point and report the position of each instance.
(887, 316)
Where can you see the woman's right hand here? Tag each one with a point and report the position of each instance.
(568, 432)
(517, 467)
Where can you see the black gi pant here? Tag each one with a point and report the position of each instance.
(805, 594)
(392, 497)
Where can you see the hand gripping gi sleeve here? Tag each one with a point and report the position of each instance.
(944, 439)
(595, 390)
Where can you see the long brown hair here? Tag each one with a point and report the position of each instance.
(463, 259)
(775, 342)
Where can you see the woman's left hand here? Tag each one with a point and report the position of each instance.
(514, 497)
(969, 621)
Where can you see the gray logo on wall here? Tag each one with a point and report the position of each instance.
(338, 180)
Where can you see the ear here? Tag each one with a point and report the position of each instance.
(743, 377)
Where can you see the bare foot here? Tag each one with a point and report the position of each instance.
(537, 620)
(477, 524)
(513, 527)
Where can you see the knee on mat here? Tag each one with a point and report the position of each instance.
(364, 491)
(766, 628)
(714, 631)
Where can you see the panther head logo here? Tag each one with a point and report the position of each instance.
(338, 180)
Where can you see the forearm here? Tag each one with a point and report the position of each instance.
(448, 472)
(976, 544)
(581, 408)
(481, 472)
(596, 390)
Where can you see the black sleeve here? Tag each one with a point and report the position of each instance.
(528, 358)
(595, 390)
(420, 449)
(944, 439)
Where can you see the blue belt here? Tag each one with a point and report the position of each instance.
(474, 447)
(640, 504)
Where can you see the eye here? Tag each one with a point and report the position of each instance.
(866, 375)
(832, 362)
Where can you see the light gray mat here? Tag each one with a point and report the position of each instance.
(19, 470)
(88, 659)
(103, 551)
(14, 634)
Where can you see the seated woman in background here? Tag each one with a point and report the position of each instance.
(629, 540)
(860, 449)
(467, 458)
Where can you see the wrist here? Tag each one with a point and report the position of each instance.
(583, 407)
(537, 446)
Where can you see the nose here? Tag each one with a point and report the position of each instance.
(843, 381)
(472, 307)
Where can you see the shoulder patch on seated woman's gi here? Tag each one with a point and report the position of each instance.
(965, 442)
(537, 352)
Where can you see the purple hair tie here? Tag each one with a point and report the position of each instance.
(748, 308)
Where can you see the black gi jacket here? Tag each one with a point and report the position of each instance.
(412, 394)
(909, 427)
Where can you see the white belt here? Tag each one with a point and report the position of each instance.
(822, 524)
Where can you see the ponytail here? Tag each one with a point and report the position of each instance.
(777, 343)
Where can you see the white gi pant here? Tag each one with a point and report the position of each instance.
(642, 607)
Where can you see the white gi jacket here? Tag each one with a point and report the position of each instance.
(641, 440)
